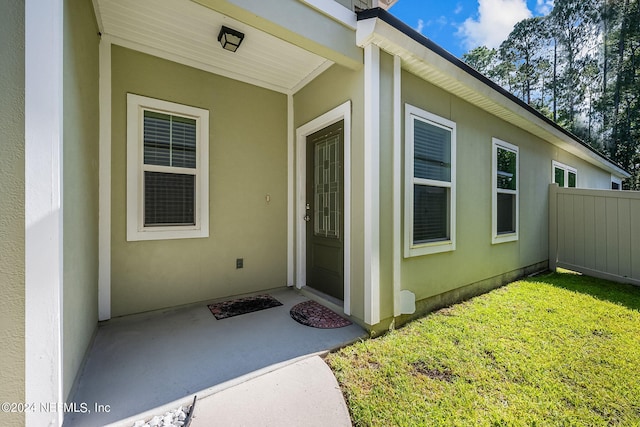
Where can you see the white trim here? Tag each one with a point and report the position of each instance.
(341, 112)
(566, 170)
(509, 237)
(410, 250)
(43, 120)
(311, 76)
(98, 14)
(336, 11)
(371, 156)
(434, 68)
(197, 64)
(290, 192)
(397, 184)
(104, 209)
(616, 180)
(136, 105)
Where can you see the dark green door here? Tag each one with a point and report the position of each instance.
(325, 221)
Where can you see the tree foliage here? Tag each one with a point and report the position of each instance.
(580, 66)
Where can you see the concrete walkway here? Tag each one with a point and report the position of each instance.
(304, 393)
(144, 365)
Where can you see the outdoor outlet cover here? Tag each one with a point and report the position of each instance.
(239, 262)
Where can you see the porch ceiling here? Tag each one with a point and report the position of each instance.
(186, 32)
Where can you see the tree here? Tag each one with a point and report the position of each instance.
(574, 24)
(523, 48)
(580, 66)
(482, 59)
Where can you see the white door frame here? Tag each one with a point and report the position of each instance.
(341, 112)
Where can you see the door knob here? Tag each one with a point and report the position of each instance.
(307, 218)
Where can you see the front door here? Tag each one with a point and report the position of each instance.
(324, 209)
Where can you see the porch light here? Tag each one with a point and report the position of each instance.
(230, 39)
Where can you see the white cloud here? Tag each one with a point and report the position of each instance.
(458, 9)
(496, 19)
(420, 26)
(544, 7)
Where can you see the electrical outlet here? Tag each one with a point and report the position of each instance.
(239, 263)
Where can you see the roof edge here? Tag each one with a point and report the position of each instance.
(385, 16)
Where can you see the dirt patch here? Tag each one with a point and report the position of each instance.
(435, 373)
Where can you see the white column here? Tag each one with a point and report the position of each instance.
(104, 227)
(43, 208)
(372, 184)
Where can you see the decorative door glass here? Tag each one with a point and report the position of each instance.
(327, 175)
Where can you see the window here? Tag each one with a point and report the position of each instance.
(430, 167)
(505, 183)
(167, 170)
(616, 183)
(563, 175)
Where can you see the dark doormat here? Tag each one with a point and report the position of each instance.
(236, 307)
(310, 313)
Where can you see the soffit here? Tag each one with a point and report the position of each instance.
(186, 32)
(432, 67)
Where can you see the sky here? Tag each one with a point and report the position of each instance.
(460, 25)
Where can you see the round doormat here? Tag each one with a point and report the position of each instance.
(310, 313)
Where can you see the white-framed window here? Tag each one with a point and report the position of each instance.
(430, 183)
(563, 175)
(505, 194)
(167, 170)
(616, 183)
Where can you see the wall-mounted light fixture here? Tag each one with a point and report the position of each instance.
(230, 39)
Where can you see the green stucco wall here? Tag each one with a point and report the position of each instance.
(12, 273)
(80, 181)
(331, 89)
(247, 162)
(475, 258)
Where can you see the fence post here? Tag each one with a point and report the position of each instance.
(553, 226)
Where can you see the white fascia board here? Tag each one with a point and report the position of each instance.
(334, 10)
(431, 67)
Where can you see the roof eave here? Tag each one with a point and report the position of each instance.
(432, 63)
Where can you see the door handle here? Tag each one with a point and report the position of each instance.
(307, 218)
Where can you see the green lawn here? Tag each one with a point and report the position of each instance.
(555, 350)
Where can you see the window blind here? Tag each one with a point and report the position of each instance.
(169, 199)
(430, 208)
(432, 152)
(169, 140)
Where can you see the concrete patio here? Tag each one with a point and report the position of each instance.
(140, 364)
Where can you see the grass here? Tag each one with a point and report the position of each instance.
(556, 350)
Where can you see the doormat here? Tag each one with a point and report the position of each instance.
(236, 307)
(310, 313)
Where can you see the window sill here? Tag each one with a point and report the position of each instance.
(504, 238)
(167, 233)
(429, 248)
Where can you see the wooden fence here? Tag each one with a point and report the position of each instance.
(595, 232)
